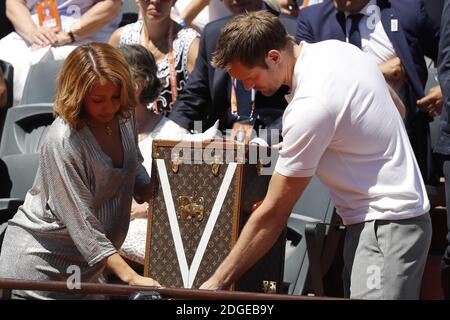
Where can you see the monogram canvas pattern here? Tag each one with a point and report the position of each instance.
(198, 181)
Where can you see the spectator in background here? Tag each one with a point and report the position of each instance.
(434, 10)
(3, 92)
(397, 39)
(174, 48)
(208, 95)
(442, 147)
(81, 21)
(76, 215)
(147, 86)
(5, 25)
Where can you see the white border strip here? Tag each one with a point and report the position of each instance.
(199, 253)
(179, 248)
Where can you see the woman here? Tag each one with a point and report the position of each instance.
(81, 21)
(147, 85)
(174, 48)
(76, 214)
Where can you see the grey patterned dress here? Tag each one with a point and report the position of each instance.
(77, 211)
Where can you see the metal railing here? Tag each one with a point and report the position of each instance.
(6, 285)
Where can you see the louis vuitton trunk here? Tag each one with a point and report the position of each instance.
(202, 197)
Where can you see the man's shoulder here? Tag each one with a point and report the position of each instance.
(405, 7)
(318, 9)
(289, 23)
(216, 25)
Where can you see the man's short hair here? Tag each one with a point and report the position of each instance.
(247, 38)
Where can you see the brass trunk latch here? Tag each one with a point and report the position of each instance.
(190, 209)
(258, 168)
(175, 163)
(269, 286)
(215, 169)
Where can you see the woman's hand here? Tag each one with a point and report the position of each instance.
(138, 211)
(143, 281)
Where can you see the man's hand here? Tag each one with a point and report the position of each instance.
(62, 38)
(42, 37)
(393, 70)
(432, 102)
(289, 7)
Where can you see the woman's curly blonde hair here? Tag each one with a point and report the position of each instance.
(82, 68)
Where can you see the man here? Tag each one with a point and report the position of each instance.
(342, 125)
(207, 96)
(443, 144)
(396, 34)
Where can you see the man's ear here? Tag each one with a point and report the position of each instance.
(273, 56)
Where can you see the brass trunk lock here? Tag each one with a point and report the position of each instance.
(215, 169)
(189, 209)
(258, 168)
(269, 286)
(175, 163)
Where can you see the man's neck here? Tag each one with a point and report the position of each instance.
(293, 53)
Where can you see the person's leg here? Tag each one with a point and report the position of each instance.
(445, 262)
(363, 262)
(386, 259)
(405, 245)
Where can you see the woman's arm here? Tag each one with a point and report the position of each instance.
(192, 10)
(92, 21)
(121, 269)
(192, 54)
(17, 11)
(114, 40)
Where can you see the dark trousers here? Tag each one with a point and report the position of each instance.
(445, 263)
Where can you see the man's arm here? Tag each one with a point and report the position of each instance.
(398, 102)
(260, 231)
(98, 16)
(304, 31)
(19, 15)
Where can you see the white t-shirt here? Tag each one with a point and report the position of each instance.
(342, 125)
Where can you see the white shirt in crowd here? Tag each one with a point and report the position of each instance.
(374, 39)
